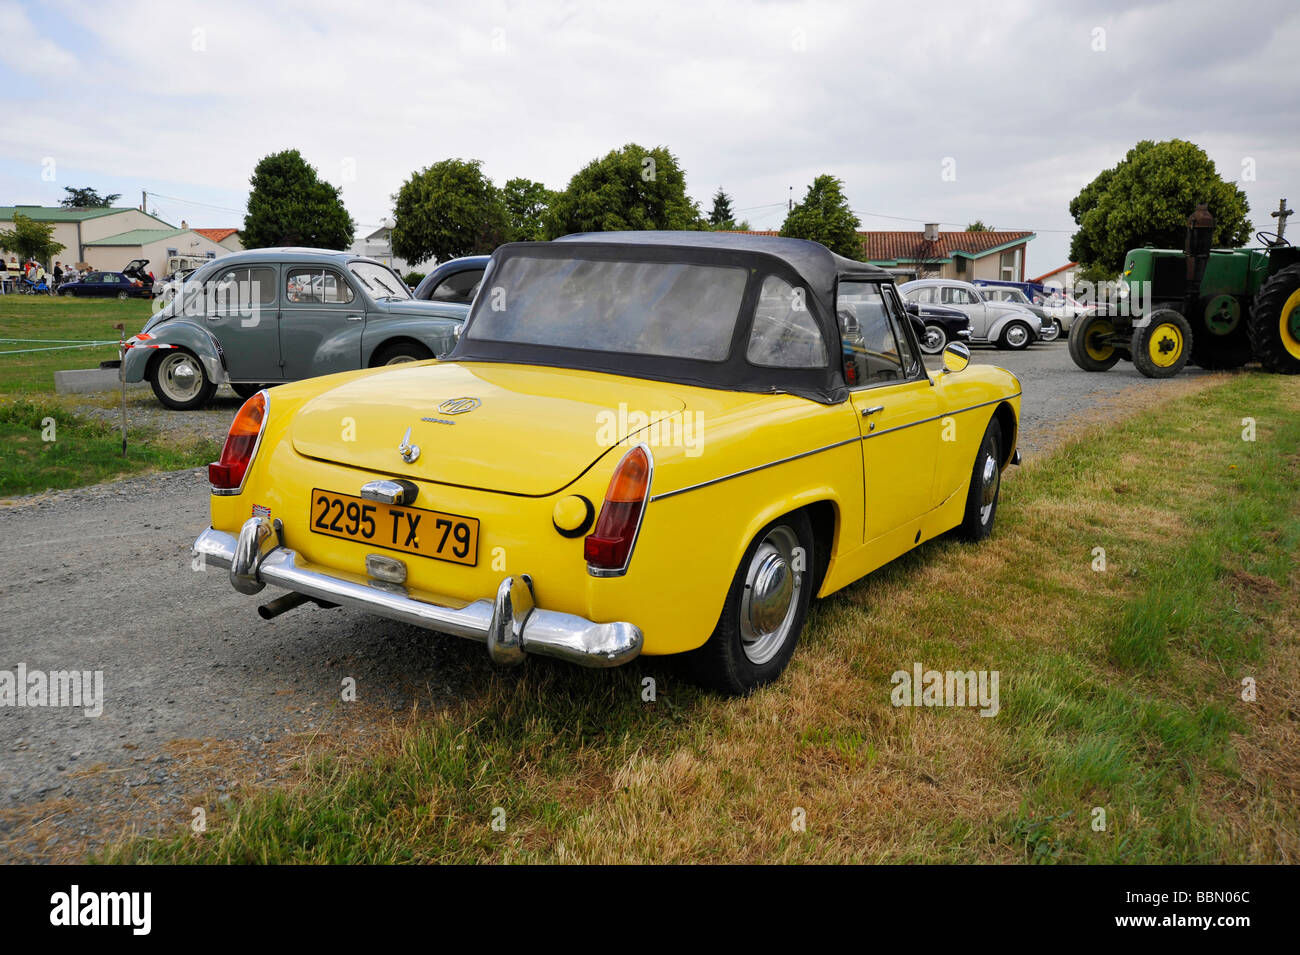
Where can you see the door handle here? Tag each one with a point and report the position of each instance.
(355, 318)
(867, 412)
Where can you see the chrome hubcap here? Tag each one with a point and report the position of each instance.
(934, 339)
(771, 596)
(181, 377)
(989, 481)
(1050, 331)
(1017, 336)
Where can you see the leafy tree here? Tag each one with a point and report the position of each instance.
(629, 188)
(87, 199)
(448, 210)
(30, 239)
(824, 216)
(291, 205)
(979, 226)
(722, 216)
(526, 204)
(1147, 198)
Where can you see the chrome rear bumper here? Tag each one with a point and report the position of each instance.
(511, 625)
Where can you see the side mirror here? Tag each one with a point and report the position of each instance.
(956, 357)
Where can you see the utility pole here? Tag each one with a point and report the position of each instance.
(144, 202)
(1281, 216)
(789, 207)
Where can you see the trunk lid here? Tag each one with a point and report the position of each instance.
(533, 431)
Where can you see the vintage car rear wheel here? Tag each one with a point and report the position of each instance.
(179, 380)
(399, 353)
(985, 483)
(245, 391)
(764, 612)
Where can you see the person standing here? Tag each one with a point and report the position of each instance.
(58, 274)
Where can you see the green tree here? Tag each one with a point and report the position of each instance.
(30, 239)
(629, 188)
(824, 216)
(526, 204)
(1147, 198)
(289, 204)
(722, 216)
(979, 226)
(87, 199)
(448, 210)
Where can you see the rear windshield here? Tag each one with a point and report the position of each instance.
(667, 309)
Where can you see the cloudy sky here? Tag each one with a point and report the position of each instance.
(1021, 102)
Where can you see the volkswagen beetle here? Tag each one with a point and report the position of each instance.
(642, 443)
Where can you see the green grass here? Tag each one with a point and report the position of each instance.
(48, 447)
(1120, 692)
(44, 317)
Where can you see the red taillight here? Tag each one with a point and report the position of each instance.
(610, 545)
(228, 473)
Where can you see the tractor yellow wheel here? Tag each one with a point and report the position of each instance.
(1274, 322)
(1094, 343)
(1288, 325)
(1161, 349)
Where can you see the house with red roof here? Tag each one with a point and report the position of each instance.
(226, 238)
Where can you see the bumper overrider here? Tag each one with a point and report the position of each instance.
(511, 624)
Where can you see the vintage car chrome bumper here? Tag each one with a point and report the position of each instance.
(511, 625)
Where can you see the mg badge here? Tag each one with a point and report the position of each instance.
(458, 405)
(409, 452)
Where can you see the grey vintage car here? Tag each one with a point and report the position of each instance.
(268, 316)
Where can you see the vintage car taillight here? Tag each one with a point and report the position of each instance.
(227, 475)
(609, 547)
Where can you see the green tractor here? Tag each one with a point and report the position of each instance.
(1217, 308)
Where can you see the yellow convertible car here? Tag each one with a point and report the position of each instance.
(655, 442)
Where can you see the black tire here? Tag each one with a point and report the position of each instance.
(741, 656)
(1051, 331)
(397, 353)
(1016, 336)
(123, 296)
(1162, 347)
(934, 340)
(245, 391)
(166, 379)
(985, 486)
(1087, 345)
(1277, 302)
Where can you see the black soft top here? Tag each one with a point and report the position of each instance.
(801, 262)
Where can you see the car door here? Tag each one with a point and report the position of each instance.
(105, 285)
(240, 309)
(975, 309)
(896, 405)
(321, 320)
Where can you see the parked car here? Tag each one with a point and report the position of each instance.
(1003, 324)
(937, 325)
(268, 316)
(649, 442)
(456, 280)
(132, 282)
(1050, 324)
(170, 286)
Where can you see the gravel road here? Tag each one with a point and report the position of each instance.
(200, 695)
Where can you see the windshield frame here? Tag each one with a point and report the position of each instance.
(373, 293)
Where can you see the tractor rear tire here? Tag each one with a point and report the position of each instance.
(1162, 347)
(1273, 325)
(1086, 349)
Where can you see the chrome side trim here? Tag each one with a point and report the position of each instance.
(829, 447)
(549, 633)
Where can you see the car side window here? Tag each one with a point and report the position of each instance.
(871, 351)
(458, 288)
(316, 286)
(899, 321)
(238, 290)
(923, 295)
(785, 334)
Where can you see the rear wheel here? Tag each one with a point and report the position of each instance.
(1162, 347)
(1016, 336)
(1051, 331)
(179, 381)
(399, 353)
(245, 391)
(764, 611)
(935, 340)
(985, 483)
(1092, 345)
(123, 296)
(1273, 325)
